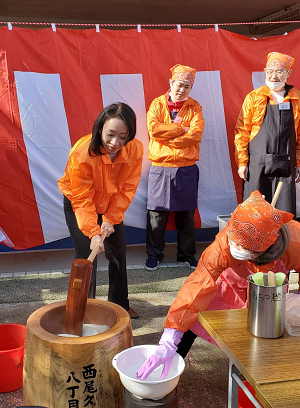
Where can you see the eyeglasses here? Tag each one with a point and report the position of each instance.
(278, 73)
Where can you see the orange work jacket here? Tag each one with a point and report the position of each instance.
(251, 118)
(169, 145)
(96, 185)
(200, 287)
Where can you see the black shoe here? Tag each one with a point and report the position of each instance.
(191, 263)
(151, 264)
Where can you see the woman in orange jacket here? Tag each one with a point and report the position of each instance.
(100, 180)
(175, 126)
(258, 237)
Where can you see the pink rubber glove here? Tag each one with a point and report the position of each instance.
(164, 354)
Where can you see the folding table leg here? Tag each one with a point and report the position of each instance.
(234, 382)
(232, 387)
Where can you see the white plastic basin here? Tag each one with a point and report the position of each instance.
(129, 361)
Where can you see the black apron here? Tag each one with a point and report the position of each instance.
(272, 158)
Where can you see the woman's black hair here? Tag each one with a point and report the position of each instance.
(115, 110)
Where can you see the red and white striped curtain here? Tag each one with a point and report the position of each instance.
(53, 85)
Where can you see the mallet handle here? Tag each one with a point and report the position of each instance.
(277, 192)
(95, 250)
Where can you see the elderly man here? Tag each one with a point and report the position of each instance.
(267, 135)
(175, 126)
(258, 237)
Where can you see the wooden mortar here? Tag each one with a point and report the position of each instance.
(60, 372)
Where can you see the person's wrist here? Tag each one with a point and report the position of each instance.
(171, 338)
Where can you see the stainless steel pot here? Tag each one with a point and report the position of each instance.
(266, 309)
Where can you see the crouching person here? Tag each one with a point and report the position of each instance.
(257, 238)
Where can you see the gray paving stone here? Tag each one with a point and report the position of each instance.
(6, 275)
(19, 274)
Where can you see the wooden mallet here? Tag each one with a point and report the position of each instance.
(79, 284)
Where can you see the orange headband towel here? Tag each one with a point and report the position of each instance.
(275, 60)
(183, 73)
(255, 223)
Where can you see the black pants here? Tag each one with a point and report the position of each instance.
(155, 239)
(186, 343)
(115, 252)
